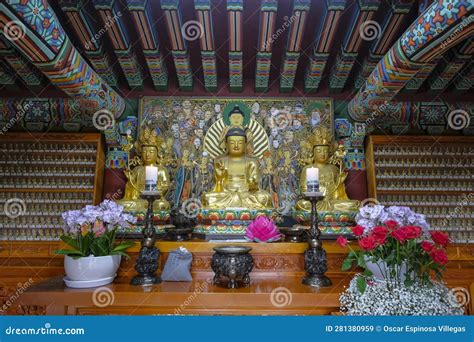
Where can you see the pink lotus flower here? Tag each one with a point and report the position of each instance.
(262, 229)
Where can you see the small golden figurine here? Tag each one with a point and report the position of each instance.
(236, 177)
(147, 146)
(331, 178)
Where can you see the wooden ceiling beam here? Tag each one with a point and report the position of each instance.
(112, 25)
(140, 12)
(178, 45)
(296, 25)
(90, 40)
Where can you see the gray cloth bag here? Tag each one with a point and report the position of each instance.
(178, 266)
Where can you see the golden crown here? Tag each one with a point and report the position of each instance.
(321, 136)
(149, 137)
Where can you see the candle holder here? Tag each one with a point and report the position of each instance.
(315, 259)
(147, 262)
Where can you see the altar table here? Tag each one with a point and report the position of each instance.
(279, 296)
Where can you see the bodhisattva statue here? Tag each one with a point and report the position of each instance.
(331, 178)
(236, 177)
(147, 147)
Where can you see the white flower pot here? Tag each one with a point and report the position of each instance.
(379, 269)
(91, 268)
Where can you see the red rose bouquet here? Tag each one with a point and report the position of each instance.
(402, 253)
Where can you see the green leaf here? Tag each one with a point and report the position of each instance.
(124, 245)
(361, 284)
(73, 242)
(346, 265)
(368, 273)
(361, 261)
(408, 280)
(121, 253)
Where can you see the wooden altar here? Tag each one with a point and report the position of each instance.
(275, 287)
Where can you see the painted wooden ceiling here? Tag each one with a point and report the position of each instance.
(238, 47)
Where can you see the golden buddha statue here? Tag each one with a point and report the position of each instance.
(236, 177)
(147, 146)
(331, 178)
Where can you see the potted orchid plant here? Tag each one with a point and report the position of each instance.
(94, 253)
(398, 254)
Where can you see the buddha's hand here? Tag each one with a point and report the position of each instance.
(341, 177)
(253, 186)
(220, 169)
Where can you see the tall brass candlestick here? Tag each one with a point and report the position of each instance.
(147, 262)
(315, 259)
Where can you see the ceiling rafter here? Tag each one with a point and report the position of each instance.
(390, 31)
(235, 10)
(110, 17)
(323, 41)
(407, 56)
(266, 31)
(450, 66)
(86, 34)
(297, 24)
(140, 11)
(179, 50)
(360, 31)
(206, 41)
(18, 64)
(322, 44)
(465, 80)
(415, 84)
(49, 49)
(6, 77)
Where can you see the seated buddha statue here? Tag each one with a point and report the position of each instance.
(236, 177)
(147, 147)
(331, 178)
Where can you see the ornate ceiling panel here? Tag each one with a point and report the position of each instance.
(144, 47)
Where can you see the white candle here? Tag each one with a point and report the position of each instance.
(312, 179)
(151, 177)
(312, 174)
